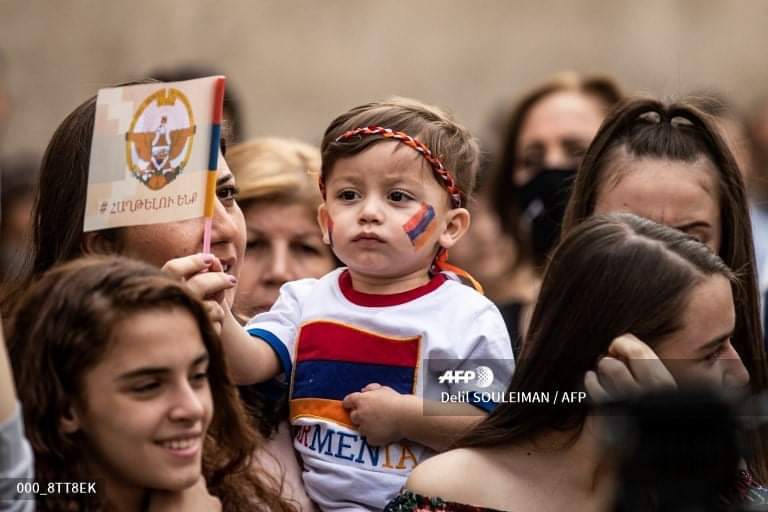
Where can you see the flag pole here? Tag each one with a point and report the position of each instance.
(213, 162)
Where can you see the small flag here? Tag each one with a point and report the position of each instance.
(150, 153)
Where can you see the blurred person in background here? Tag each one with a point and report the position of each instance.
(17, 190)
(544, 140)
(5, 99)
(758, 131)
(489, 254)
(279, 196)
(16, 459)
(735, 130)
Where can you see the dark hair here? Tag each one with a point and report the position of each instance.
(607, 258)
(63, 327)
(63, 187)
(18, 175)
(502, 188)
(449, 141)
(681, 133)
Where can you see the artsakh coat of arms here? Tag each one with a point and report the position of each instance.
(159, 141)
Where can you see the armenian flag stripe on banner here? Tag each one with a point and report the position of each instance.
(334, 360)
(319, 408)
(340, 342)
(335, 380)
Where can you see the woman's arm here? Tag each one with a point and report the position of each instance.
(7, 389)
(16, 461)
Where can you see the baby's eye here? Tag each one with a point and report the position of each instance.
(398, 196)
(348, 195)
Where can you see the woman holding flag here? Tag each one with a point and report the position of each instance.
(176, 246)
(60, 210)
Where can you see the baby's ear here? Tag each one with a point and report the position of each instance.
(325, 222)
(456, 225)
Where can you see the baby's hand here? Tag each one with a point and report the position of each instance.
(630, 368)
(376, 411)
(203, 276)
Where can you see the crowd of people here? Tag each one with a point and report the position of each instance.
(392, 322)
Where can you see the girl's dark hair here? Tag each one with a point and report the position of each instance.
(501, 186)
(647, 128)
(63, 327)
(607, 258)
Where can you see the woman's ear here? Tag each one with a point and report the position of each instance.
(456, 224)
(69, 422)
(326, 224)
(95, 242)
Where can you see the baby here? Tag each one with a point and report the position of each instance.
(366, 347)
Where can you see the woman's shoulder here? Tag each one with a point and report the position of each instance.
(452, 476)
(436, 472)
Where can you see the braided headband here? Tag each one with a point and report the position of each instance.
(440, 171)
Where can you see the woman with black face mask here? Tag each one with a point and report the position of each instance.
(545, 137)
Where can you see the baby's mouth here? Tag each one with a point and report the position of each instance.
(368, 237)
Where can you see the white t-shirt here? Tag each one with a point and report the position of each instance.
(333, 340)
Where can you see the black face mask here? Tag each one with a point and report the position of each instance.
(542, 202)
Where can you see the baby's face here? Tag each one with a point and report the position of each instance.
(385, 214)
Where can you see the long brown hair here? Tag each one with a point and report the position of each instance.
(648, 128)
(62, 328)
(607, 258)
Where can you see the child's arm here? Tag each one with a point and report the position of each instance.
(383, 416)
(249, 359)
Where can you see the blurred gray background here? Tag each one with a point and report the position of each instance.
(297, 64)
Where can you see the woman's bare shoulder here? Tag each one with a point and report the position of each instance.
(450, 475)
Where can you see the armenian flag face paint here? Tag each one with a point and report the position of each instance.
(421, 226)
